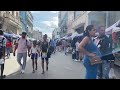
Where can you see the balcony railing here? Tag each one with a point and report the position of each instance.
(13, 18)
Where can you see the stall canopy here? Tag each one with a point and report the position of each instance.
(11, 35)
(76, 35)
(114, 26)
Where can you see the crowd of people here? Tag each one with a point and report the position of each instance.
(26, 48)
(86, 48)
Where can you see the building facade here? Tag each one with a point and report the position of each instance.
(70, 30)
(37, 35)
(23, 20)
(11, 22)
(77, 21)
(63, 17)
(56, 33)
(29, 20)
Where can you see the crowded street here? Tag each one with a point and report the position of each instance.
(63, 45)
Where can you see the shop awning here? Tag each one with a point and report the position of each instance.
(76, 34)
(109, 29)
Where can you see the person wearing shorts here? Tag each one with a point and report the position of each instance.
(44, 52)
(34, 55)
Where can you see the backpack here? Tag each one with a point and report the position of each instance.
(1, 46)
(26, 41)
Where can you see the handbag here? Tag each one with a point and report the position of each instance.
(95, 60)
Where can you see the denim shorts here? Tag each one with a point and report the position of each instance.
(34, 56)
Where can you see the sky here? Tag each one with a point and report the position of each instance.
(45, 21)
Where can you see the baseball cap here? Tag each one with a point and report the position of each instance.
(24, 33)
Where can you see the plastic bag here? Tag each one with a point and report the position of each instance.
(2, 61)
(112, 74)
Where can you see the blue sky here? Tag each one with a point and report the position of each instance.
(45, 21)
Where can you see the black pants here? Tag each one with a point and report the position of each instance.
(2, 69)
(77, 55)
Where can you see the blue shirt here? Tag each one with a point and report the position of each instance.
(52, 43)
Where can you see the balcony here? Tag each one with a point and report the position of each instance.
(13, 19)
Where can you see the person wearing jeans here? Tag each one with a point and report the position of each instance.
(104, 45)
(22, 45)
(8, 47)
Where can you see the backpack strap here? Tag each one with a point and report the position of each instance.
(2, 41)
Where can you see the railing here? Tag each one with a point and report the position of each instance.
(13, 18)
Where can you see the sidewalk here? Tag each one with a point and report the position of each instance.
(11, 65)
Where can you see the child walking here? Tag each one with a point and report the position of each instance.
(34, 55)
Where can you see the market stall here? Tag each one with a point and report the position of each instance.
(114, 30)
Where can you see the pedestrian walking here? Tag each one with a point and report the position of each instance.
(52, 45)
(8, 46)
(44, 51)
(2, 53)
(22, 45)
(90, 50)
(105, 48)
(34, 55)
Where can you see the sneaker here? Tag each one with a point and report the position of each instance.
(43, 72)
(76, 60)
(46, 68)
(22, 71)
(33, 71)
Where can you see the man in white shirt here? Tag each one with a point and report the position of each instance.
(22, 45)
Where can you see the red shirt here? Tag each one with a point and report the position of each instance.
(9, 44)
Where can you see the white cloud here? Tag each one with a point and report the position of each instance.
(55, 18)
(53, 23)
(54, 11)
(36, 12)
(48, 23)
(37, 28)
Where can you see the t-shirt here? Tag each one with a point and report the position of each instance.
(34, 49)
(52, 43)
(22, 45)
(8, 44)
(4, 40)
(44, 46)
(77, 46)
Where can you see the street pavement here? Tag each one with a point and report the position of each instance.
(60, 67)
